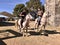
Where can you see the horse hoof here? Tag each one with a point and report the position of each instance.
(23, 35)
(40, 31)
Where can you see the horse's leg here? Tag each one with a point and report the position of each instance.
(26, 25)
(26, 31)
(20, 28)
(23, 32)
(40, 30)
(35, 26)
(19, 25)
(16, 24)
(44, 27)
(38, 26)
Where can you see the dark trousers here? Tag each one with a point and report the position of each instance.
(22, 20)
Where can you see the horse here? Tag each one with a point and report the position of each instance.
(43, 22)
(25, 24)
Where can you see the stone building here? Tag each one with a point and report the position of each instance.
(52, 7)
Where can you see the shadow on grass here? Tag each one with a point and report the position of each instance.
(2, 43)
(45, 34)
(51, 31)
(16, 34)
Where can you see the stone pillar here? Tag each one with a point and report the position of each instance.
(54, 11)
(57, 12)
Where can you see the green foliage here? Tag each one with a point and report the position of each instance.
(18, 8)
(35, 4)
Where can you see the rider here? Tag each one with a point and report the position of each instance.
(22, 16)
(39, 15)
(33, 13)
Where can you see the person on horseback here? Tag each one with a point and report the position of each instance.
(39, 15)
(22, 16)
(33, 13)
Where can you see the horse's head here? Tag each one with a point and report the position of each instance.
(45, 14)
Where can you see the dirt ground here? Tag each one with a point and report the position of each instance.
(9, 35)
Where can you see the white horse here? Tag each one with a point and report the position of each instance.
(43, 21)
(25, 24)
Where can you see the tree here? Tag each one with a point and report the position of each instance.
(18, 8)
(35, 4)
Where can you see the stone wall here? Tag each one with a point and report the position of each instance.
(57, 12)
(53, 7)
